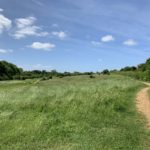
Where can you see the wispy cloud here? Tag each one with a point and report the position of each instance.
(1, 10)
(107, 38)
(42, 46)
(61, 34)
(96, 43)
(4, 51)
(130, 42)
(41, 67)
(26, 27)
(55, 25)
(37, 67)
(37, 2)
(5, 23)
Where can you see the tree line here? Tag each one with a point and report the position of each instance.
(141, 71)
(9, 71)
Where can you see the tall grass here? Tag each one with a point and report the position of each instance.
(71, 113)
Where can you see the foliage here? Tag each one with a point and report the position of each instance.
(141, 72)
(9, 71)
(91, 76)
(106, 72)
(129, 68)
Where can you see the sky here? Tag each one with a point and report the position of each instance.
(80, 35)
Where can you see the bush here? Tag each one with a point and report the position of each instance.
(61, 76)
(22, 78)
(91, 76)
(44, 78)
(50, 78)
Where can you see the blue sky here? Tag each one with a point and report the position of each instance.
(81, 35)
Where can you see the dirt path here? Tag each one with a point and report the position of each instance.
(143, 103)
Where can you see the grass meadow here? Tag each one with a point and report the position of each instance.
(72, 113)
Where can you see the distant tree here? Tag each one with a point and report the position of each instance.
(106, 72)
(113, 71)
(148, 61)
(75, 73)
(88, 73)
(8, 70)
(142, 67)
(129, 68)
(54, 73)
(67, 73)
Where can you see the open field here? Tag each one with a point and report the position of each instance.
(72, 113)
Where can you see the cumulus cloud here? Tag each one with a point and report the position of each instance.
(42, 46)
(61, 35)
(130, 42)
(23, 22)
(4, 51)
(5, 23)
(26, 27)
(107, 38)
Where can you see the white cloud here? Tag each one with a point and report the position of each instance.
(42, 46)
(96, 43)
(5, 23)
(60, 34)
(23, 22)
(27, 27)
(130, 42)
(1, 10)
(4, 51)
(107, 38)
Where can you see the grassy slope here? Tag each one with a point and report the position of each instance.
(71, 113)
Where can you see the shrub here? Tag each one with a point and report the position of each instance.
(91, 76)
(44, 78)
(50, 77)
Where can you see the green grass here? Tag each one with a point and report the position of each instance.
(72, 113)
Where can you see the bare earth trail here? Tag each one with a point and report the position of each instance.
(143, 103)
